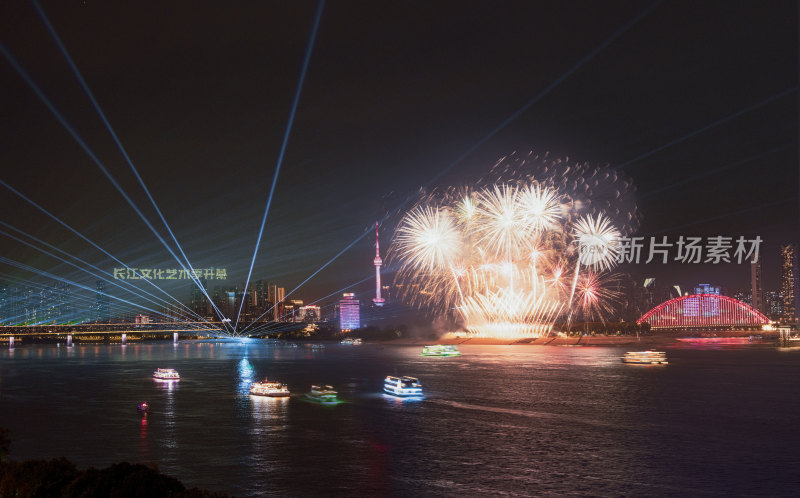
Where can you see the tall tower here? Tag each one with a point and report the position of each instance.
(378, 300)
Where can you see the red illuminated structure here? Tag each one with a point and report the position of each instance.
(703, 311)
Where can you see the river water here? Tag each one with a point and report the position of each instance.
(514, 420)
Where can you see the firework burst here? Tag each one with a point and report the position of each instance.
(510, 256)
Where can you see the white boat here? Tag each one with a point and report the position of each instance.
(323, 394)
(440, 350)
(645, 357)
(352, 341)
(402, 386)
(166, 374)
(269, 388)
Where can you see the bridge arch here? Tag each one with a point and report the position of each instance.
(703, 311)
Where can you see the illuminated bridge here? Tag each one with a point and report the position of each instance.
(703, 311)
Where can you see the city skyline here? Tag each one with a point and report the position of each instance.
(440, 248)
(415, 107)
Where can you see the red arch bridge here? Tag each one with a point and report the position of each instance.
(703, 311)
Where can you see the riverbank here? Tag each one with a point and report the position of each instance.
(643, 341)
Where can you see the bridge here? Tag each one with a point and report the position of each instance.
(104, 332)
(108, 332)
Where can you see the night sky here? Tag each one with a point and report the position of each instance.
(696, 102)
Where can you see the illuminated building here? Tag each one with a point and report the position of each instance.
(349, 312)
(309, 314)
(230, 303)
(260, 295)
(773, 300)
(703, 311)
(745, 297)
(280, 294)
(756, 288)
(292, 310)
(378, 300)
(789, 283)
(707, 289)
(197, 301)
(102, 313)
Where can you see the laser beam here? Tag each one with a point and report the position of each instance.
(286, 133)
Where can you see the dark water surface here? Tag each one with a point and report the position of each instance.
(515, 420)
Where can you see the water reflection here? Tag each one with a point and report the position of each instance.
(246, 373)
(490, 420)
(399, 401)
(267, 409)
(167, 385)
(144, 446)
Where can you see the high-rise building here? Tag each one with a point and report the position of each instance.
(756, 288)
(745, 296)
(102, 313)
(773, 300)
(260, 302)
(349, 312)
(280, 295)
(5, 303)
(198, 301)
(16, 306)
(789, 283)
(274, 302)
(292, 310)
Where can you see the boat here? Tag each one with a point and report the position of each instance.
(166, 374)
(143, 408)
(352, 341)
(269, 388)
(645, 357)
(402, 386)
(323, 394)
(440, 350)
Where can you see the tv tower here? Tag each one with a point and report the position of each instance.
(378, 300)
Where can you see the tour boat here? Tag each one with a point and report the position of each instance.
(143, 408)
(440, 350)
(645, 357)
(323, 394)
(271, 389)
(166, 374)
(402, 386)
(352, 341)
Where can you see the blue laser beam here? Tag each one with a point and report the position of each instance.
(312, 275)
(99, 164)
(285, 142)
(709, 126)
(74, 298)
(36, 271)
(85, 239)
(714, 171)
(110, 129)
(729, 214)
(132, 289)
(575, 67)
